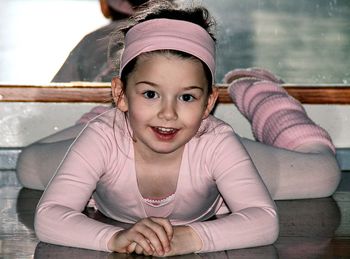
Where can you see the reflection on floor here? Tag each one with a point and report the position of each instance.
(312, 228)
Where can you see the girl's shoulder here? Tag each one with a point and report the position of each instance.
(111, 122)
(214, 133)
(107, 131)
(109, 117)
(214, 145)
(214, 126)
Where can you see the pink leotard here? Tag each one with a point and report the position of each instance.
(215, 172)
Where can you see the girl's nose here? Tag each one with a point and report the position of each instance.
(168, 111)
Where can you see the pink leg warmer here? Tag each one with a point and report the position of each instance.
(277, 118)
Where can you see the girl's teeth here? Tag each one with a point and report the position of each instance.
(166, 130)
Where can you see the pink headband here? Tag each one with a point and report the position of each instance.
(159, 34)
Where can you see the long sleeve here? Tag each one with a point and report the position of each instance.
(253, 219)
(59, 218)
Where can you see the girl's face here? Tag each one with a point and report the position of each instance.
(166, 99)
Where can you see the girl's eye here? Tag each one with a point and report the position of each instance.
(150, 94)
(187, 98)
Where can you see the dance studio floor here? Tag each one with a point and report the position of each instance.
(312, 228)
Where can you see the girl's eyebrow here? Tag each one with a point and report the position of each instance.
(185, 88)
(194, 87)
(147, 83)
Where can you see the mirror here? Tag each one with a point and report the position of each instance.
(302, 41)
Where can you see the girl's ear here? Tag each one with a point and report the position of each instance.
(119, 97)
(211, 102)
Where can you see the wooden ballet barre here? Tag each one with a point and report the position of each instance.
(83, 92)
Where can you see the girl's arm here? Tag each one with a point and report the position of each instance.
(59, 218)
(253, 221)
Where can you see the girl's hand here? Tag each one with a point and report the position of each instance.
(148, 236)
(185, 240)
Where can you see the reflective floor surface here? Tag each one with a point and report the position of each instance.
(311, 228)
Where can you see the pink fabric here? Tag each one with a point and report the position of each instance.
(277, 118)
(215, 168)
(94, 112)
(254, 72)
(122, 6)
(161, 34)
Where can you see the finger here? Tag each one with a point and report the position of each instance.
(166, 225)
(131, 248)
(158, 227)
(162, 228)
(139, 250)
(142, 240)
(150, 231)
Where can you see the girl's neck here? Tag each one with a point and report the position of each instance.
(157, 158)
(157, 174)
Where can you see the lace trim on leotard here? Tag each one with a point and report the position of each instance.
(159, 202)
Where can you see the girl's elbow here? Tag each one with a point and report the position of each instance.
(274, 230)
(274, 234)
(270, 231)
(37, 225)
(40, 223)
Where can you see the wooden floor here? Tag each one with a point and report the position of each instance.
(312, 228)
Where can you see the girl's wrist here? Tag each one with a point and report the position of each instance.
(111, 243)
(197, 241)
(186, 240)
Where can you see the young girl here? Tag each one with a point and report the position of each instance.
(160, 161)
(163, 164)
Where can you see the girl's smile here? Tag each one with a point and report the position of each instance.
(165, 134)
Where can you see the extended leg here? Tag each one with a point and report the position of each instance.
(38, 162)
(293, 174)
(295, 157)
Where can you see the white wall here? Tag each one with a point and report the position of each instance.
(36, 36)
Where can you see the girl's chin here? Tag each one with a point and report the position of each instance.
(165, 147)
